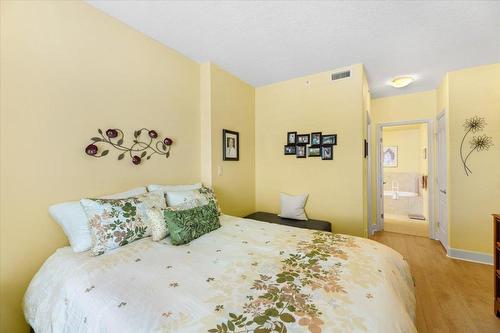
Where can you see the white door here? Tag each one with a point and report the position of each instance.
(442, 222)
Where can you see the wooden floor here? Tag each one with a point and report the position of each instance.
(402, 224)
(452, 295)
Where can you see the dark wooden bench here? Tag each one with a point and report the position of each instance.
(309, 224)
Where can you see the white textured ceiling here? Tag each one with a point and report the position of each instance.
(270, 41)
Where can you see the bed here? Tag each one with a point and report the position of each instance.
(247, 276)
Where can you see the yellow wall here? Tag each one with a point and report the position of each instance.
(404, 107)
(442, 96)
(471, 200)
(206, 123)
(231, 106)
(392, 109)
(67, 69)
(309, 104)
(407, 139)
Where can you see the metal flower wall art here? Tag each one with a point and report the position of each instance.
(146, 143)
(477, 142)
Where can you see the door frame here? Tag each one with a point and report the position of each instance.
(430, 167)
(446, 244)
(371, 227)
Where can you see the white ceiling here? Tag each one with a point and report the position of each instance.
(270, 41)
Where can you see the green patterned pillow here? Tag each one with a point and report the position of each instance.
(189, 199)
(117, 222)
(189, 224)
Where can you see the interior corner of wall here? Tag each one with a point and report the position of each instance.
(206, 123)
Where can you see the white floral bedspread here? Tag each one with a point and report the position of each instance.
(247, 276)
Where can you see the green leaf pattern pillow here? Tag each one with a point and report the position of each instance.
(117, 222)
(189, 224)
(200, 197)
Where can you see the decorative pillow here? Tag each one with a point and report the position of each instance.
(128, 194)
(117, 222)
(74, 222)
(177, 198)
(158, 227)
(209, 194)
(181, 200)
(292, 206)
(189, 224)
(174, 188)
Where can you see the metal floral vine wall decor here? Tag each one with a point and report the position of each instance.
(141, 148)
(477, 142)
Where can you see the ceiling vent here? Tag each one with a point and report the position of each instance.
(341, 75)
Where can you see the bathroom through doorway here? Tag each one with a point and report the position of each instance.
(404, 178)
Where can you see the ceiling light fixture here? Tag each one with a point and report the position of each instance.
(401, 81)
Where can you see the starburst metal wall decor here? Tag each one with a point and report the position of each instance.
(477, 142)
(140, 149)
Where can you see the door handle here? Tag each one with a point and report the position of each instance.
(442, 191)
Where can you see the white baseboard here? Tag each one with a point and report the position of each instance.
(372, 229)
(477, 257)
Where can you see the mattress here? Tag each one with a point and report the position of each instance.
(247, 276)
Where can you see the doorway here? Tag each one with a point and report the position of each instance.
(442, 216)
(404, 174)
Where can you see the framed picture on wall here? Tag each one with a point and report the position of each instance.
(230, 145)
(390, 157)
(301, 151)
(302, 139)
(327, 152)
(291, 138)
(313, 151)
(290, 149)
(316, 138)
(329, 139)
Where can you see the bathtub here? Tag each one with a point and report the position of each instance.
(400, 194)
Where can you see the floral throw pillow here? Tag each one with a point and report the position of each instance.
(189, 224)
(158, 227)
(117, 222)
(209, 195)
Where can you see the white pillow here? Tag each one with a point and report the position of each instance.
(74, 222)
(175, 198)
(292, 206)
(174, 188)
(127, 194)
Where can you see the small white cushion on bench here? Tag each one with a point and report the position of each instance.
(292, 206)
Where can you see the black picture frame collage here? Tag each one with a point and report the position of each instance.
(315, 144)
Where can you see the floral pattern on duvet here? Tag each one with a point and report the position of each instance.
(284, 298)
(245, 277)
